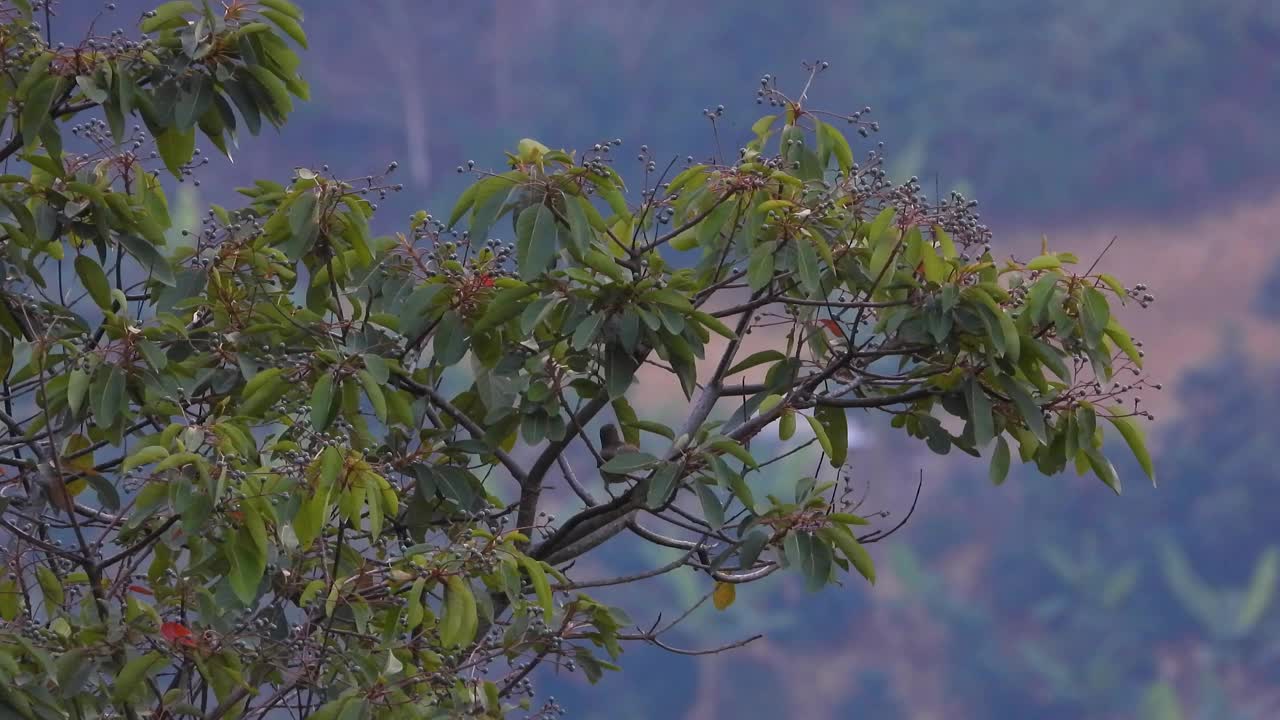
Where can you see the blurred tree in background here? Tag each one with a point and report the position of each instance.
(280, 461)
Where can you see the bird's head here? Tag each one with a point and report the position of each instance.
(609, 435)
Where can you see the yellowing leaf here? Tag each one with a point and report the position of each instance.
(724, 595)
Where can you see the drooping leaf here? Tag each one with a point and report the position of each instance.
(999, 469)
(1132, 435)
(835, 423)
(323, 402)
(724, 594)
(535, 250)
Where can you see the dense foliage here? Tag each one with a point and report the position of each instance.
(280, 461)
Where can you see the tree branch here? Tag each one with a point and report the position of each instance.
(461, 418)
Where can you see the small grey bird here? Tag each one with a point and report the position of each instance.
(611, 446)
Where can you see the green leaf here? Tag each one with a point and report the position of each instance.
(712, 509)
(248, 563)
(629, 462)
(761, 126)
(732, 447)
(538, 578)
(1103, 468)
(144, 456)
(1031, 413)
(820, 433)
(999, 462)
(662, 484)
(880, 225)
(194, 101)
(713, 324)
(94, 280)
(308, 523)
(1045, 262)
(167, 15)
(458, 624)
(1132, 435)
(787, 425)
(585, 333)
(277, 93)
(10, 600)
(77, 387)
(36, 108)
(373, 391)
(323, 407)
(286, 23)
(50, 585)
(1095, 314)
(1116, 286)
(110, 397)
(839, 146)
(1121, 338)
(836, 423)
(176, 148)
(979, 412)
(760, 265)
(134, 672)
(655, 428)
(535, 251)
(92, 91)
(464, 203)
(841, 537)
(755, 359)
(490, 199)
(708, 231)
(580, 233)
(283, 6)
(807, 265)
(149, 258)
(603, 264)
(450, 339)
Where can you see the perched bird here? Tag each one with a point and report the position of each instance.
(611, 446)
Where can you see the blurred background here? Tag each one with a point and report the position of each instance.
(1153, 122)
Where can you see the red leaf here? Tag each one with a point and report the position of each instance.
(831, 325)
(141, 590)
(177, 633)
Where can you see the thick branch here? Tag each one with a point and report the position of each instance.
(531, 488)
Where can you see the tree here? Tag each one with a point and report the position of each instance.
(283, 462)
